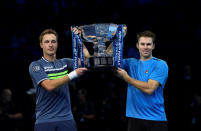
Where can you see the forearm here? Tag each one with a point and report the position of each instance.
(143, 86)
(86, 55)
(110, 49)
(56, 83)
(147, 87)
(86, 52)
(50, 85)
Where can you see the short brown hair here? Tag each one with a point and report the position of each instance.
(146, 33)
(48, 31)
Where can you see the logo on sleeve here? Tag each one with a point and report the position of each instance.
(36, 68)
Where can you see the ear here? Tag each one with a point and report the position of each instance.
(41, 45)
(137, 45)
(153, 46)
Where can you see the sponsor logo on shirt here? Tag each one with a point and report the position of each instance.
(48, 67)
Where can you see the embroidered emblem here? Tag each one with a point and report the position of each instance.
(36, 68)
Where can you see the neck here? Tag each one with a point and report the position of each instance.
(50, 58)
(145, 58)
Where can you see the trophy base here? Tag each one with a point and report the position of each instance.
(100, 61)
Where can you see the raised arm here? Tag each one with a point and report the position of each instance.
(109, 50)
(85, 50)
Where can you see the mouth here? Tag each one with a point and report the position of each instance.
(51, 49)
(145, 52)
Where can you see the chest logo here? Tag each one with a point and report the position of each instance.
(146, 71)
(48, 67)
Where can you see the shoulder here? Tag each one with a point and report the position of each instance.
(35, 66)
(66, 60)
(160, 63)
(34, 63)
(130, 60)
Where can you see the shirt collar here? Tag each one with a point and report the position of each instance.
(45, 59)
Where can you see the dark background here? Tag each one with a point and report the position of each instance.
(176, 23)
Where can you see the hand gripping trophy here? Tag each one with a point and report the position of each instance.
(99, 34)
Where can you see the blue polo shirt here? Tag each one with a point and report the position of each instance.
(139, 104)
(55, 105)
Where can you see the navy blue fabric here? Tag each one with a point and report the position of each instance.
(68, 125)
(55, 105)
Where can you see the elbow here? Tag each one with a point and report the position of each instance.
(149, 92)
(150, 89)
(48, 86)
(49, 89)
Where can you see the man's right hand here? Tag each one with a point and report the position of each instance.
(80, 71)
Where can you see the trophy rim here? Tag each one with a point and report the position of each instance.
(106, 39)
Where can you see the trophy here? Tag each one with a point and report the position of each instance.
(99, 34)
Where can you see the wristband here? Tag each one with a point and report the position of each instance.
(72, 75)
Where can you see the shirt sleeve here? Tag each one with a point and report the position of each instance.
(125, 64)
(128, 62)
(37, 73)
(160, 73)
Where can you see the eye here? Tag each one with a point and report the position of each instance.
(54, 41)
(46, 41)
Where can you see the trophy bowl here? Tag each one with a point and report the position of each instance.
(99, 34)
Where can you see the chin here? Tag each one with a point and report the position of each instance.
(51, 54)
(146, 56)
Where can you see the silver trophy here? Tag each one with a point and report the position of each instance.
(99, 34)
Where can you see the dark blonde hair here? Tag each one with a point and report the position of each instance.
(48, 31)
(146, 33)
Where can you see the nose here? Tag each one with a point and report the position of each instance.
(145, 46)
(50, 44)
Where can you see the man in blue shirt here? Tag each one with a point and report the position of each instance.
(146, 79)
(50, 77)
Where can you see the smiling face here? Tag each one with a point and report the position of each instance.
(49, 45)
(145, 46)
